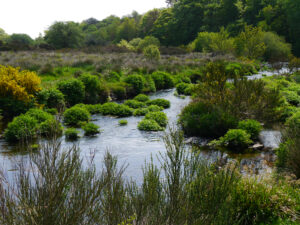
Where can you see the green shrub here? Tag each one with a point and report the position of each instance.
(162, 80)
(152, 52)
(73, 116)
(51, 98)
(22, 128)
(50, 128)
(160, 117)
(94, 109)
(123, 122)
(147, 41)
(113, 77)
(73, 90)
(160, 102)
(149, 125)
(282, 154)
(92, 88)
(292, 97)
(134, 104)
(39, 115)
(114, 109)
(142, 98)
(203, 42)
(236, 139)
(184, 89)
(118, 91)
(149, 85)
(293, 123)
(52, 111)
(141, 112)
(72, 134)
(136, 82)
(155, 108)
(252, 127)
(90, 129)
(199, 119)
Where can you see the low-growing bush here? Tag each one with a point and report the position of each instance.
(123, 122)
(199, 119)
(235, 140)
(72, 134)
(90, 129)
(94, 109)
(114, 109)
(252, 127)
(142, 98)
(184, 88)
(51, 98)
(73, 116)
(136, 82)
(52, 111)
(162, 80)
(155, 108)
(50, 128)
(134, 104)
(73, 90)
(39, 115)
(92, 88)
(160, 117)
(152, 52)
(292, 97)
(149, 125)
(141, 112)
(118, 91)
(22, 128)
(160, 102)
(293, 123)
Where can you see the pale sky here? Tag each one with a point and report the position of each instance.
(34, 16)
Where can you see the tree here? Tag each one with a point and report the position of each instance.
(148, 21)
(127, 30)
(64, 35)
(19, 41)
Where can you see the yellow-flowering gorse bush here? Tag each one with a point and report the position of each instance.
(20, 85)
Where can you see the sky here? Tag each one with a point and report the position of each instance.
(35, 16)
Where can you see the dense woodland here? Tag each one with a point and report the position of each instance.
(187, 16)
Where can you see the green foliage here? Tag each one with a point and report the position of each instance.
(39, 115)
(162, 80)
(152, 52)
(184, 89)
(71, 134)
(142, 98)
(155, 108)
(73, 90)
(293, 123)
(134, 104)
(149, 125)
(90, 129)
(114, 109)
(118, 91)
(160, 102)
(51, 98)
(94, 90)
(19, 42)
(93, 109)
(199, 119)
(64, 35)
(160, 117)
(235, 140)
(123, 122)
(73, 116)
(148, 41)
(136, 82)
(277, 50)
(292, 97)
(22, 128)
(252, 127)
(50, 128)
(141, 112)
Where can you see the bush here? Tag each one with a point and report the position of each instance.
(141, 112)
(22, 128)
(152, 52)
(123, 122)
(92, 88)
(293, 123)
(162, 80)
(90, 129)
(134, 104)
(252, 127)
(277, 50)
(159, 117)
(199, 119)
(118, 91)
(72, 134)
(160, 102)
(39, 115)
(184, 89)
(73, 90)
(292, 97)
(114, 109)
(149, 125)
(93, 109)
(51, 98)
(73, 116)
(148, 41)
(236, 139)
(142, 98)
(136, 82)
(50, 128)
(154, 108)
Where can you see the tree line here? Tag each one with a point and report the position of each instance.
(187, 16)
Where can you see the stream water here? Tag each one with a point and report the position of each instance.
(133, 147)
